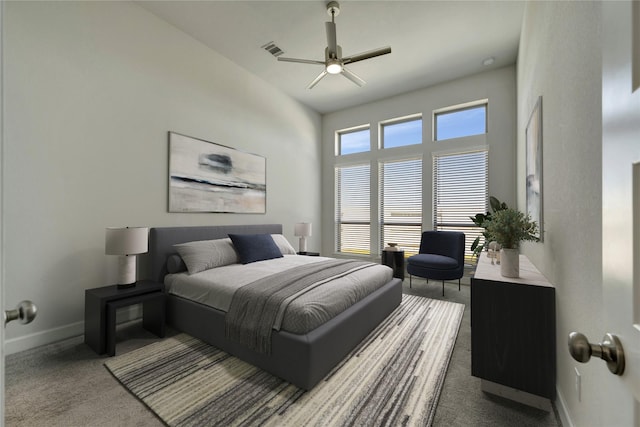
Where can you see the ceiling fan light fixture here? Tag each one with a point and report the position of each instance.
(334, 66)
(334, 62)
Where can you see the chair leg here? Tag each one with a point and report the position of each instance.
(410, 281)
(443, 288)
(458, 285)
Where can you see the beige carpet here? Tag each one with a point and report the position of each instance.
(393, 378)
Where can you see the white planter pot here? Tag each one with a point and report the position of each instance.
(510, 263)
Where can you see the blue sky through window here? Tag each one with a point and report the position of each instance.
(403, 133)
(456, 124)
(355, 142)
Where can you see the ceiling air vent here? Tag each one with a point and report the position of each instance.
(273, 49)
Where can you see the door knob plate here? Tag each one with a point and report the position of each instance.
(615, 360)
(610, 350)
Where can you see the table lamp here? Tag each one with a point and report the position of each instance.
(303, 230)
(126, 243)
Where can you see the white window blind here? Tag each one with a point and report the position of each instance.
(400, 186)
(460, 190)
(353, 213)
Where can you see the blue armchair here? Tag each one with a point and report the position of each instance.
(441, 257)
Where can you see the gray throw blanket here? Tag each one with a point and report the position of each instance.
(256, 306)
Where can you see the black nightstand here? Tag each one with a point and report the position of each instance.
(309, 253)
(101, 304)
(395, 260)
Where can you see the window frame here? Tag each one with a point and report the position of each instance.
(341, 132)
(457, 108)
(378, 155)
(396, 121)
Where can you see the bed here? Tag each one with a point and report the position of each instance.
(302, 359)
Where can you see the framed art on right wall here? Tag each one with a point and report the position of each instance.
(533, 138)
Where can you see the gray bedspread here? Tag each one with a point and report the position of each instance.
(258, 308)
(216, 287)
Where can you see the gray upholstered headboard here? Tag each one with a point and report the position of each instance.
(162, 239)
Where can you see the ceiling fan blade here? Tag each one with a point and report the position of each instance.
(353, 77)
(332, 43)
(301, 61)
(366, 55)
(317, 79)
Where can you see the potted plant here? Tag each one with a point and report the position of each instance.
(480, 219)
(509, 227)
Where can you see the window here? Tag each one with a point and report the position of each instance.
(354, 141)
(393, 168)
(352, 215)
(401, 204)
(460, 122)
(401, 133)
(460, 190)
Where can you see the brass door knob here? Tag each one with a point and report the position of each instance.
(609, 350)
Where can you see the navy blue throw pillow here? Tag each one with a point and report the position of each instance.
(255, 247)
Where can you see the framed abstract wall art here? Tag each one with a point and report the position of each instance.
(533, 138)
(208, 177)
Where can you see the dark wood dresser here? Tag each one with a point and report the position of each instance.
(513, 333)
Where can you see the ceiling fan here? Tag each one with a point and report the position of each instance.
(334, 63)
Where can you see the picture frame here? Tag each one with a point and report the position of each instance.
(209, 177)
(534, 187)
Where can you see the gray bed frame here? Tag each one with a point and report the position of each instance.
(302, 360)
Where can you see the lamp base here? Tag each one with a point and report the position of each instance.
(303, 244)
(126, 271)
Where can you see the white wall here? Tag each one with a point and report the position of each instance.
(560, 59)
(2, 305)
(498, 86)
(91, 90)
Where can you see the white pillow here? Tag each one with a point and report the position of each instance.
(206, 254)
(283, 244)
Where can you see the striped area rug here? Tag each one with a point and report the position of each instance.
(394, 377)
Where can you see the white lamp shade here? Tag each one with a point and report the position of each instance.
(126, 241)
(302, 229)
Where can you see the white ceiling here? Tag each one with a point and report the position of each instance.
(431, 41)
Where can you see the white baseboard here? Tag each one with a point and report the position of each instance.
(37, 339)
(27, 342)
(561, 406)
